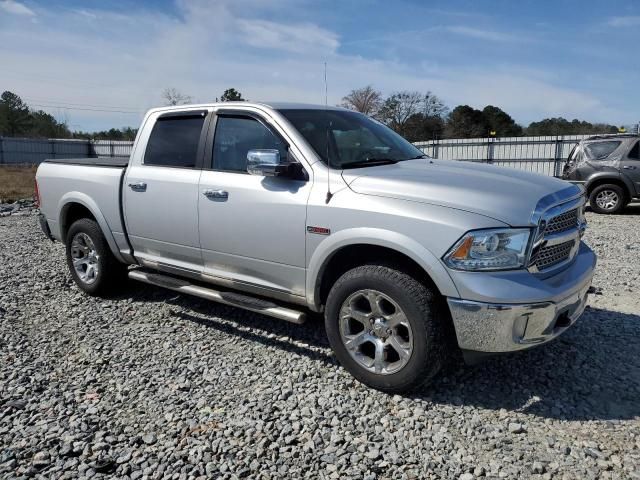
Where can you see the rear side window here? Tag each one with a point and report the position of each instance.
(601, 150)
(174, 142)
(635, 151)
(235, 136)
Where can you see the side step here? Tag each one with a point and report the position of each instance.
(228, 298)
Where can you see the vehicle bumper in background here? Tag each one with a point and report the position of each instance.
(495, 327)
(45, 226)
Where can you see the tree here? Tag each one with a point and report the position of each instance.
(172, 96)
(44, 125)
(561, 126)
(398, 108)
(466, 122)
(16, 118)
(231, 95)
(501, 122)
(420, 127)
(365, 100)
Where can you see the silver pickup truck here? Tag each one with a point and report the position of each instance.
(284, 209)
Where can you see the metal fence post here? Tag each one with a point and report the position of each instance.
(435, 148)
(1, 151)
(52, 145)
(490, 150)
(557, 154)
(112, 149)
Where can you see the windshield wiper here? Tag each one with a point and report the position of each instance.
(369, 162)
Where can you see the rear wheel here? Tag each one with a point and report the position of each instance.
(385, 328)
(92, 265)
(608, 198)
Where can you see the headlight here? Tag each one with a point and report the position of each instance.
(496, 249)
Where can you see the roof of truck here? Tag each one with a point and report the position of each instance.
(273, 105)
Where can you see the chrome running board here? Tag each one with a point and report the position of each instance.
(233, 299)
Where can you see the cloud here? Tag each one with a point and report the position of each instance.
(16, 8)
(294, 38)
(481, 34)
(628, 21)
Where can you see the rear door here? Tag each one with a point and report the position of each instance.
(161, 191)
(252, 228)
(630, 165)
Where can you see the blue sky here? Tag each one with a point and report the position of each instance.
(534, 59)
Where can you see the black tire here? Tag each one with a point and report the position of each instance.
(611, 191)
(420, 306)
(110, 275)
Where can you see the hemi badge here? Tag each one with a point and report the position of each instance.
(318, 230)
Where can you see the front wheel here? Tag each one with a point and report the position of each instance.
(92, 265)
(385, 328)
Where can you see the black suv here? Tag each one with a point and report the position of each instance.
(609, 168)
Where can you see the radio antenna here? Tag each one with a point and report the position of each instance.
(326, 110)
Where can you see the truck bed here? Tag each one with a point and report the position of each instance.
(117, 162)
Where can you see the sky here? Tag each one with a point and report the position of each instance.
(101, 64)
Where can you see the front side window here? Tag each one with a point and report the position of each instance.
(601, 150)
(235, 136)
(174, 142)
(346, 139)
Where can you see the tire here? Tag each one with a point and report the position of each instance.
(398, 297)
(98, 272)
(607, 199)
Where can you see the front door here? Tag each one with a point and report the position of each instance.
(630, 166)
(252, 228)
(161, 194)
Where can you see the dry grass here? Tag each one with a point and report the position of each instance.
(16, 183)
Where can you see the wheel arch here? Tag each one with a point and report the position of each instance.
(619, 180)
(350, 248)
(76, 205)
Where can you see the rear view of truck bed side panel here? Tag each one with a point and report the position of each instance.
(97, 188)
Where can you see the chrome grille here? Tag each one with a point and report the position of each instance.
(563, 222)
(554, 254)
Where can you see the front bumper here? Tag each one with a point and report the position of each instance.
(495, 327)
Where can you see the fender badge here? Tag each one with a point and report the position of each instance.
(318, 230)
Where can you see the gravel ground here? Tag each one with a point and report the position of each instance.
(155, 385)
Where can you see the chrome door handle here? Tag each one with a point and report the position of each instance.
(629, 167)
(219, 194)
(138, 186)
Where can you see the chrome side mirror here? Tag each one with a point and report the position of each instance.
(266, 163)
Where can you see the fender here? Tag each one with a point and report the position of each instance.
(596, 177)
(378, 237)
(86, 201)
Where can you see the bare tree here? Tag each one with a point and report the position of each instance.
(172, 96)
(399, 107)
(366, 100)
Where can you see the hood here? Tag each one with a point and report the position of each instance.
(505, 194)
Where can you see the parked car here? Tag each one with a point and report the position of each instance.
(283, 209)
(609, 168)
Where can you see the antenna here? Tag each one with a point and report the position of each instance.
(326, 110)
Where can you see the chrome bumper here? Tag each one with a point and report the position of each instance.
(497, 327)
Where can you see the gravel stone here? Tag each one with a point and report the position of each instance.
(152, 384)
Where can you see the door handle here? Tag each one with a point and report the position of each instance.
(138, 186)
(629, 167)
(217, 194)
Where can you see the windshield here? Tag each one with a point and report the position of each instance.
(350, 139)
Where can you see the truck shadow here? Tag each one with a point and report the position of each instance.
(592, 372)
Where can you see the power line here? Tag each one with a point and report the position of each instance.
(86, 109)
(62, 102)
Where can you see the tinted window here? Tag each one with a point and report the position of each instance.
(235, 136)
(174, 142)
(601, 150)
(635, 152)
(349, 137)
